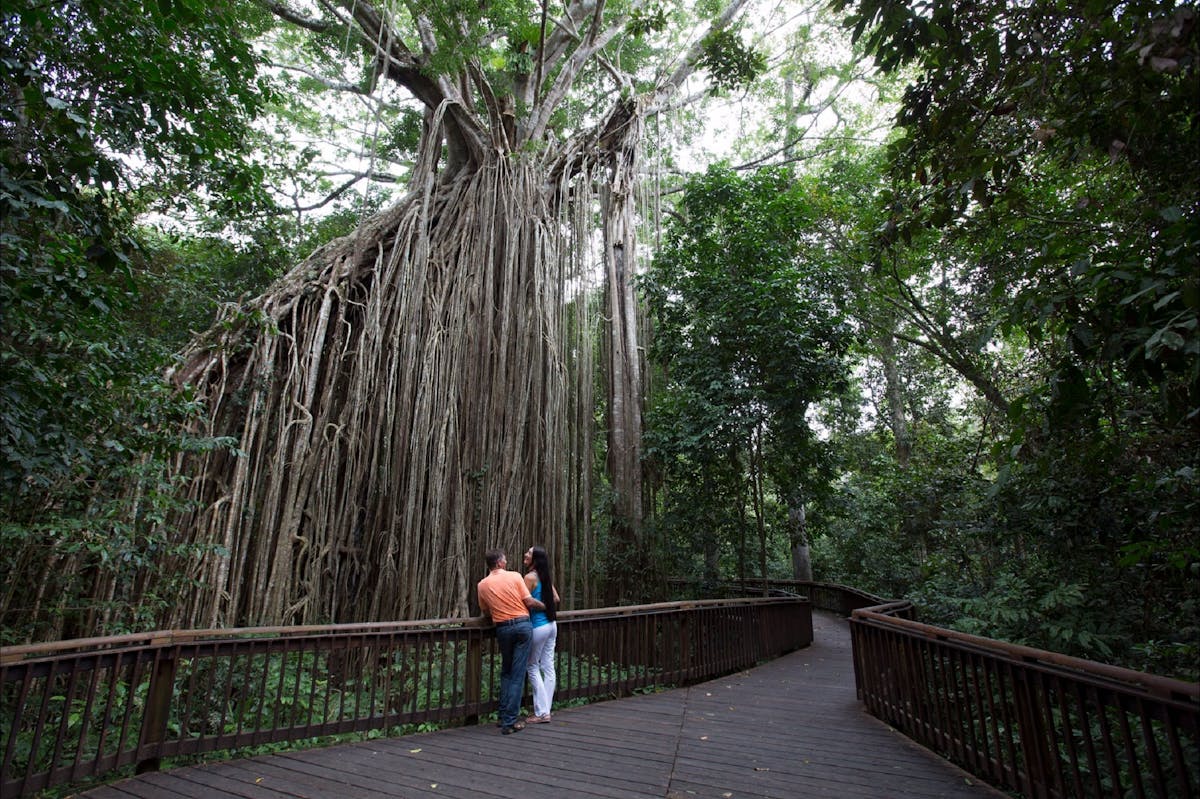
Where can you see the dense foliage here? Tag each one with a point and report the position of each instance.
(1041, 242)
(1073, 130)
(962, 366)
(750, 334)
(112, 111)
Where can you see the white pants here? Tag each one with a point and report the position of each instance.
(541, 667)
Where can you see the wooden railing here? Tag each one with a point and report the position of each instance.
(1037, 722)
(80, 709)
(840, 599)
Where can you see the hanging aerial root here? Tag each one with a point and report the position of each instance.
(402, 402)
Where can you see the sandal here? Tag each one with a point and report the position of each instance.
(539, 719)
(520, 725)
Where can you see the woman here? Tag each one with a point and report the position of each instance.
(545, 631)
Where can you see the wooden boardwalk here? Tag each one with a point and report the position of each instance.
(790, 728)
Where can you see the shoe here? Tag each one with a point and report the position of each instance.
(514, 728)
(544, 719)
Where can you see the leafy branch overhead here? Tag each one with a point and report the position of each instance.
(729, 62)
(1097, 100)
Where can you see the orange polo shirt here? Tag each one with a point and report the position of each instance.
(501, 596)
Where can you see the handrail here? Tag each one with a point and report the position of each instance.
(18, 652)
(81, 709)
(834, 597)
(1155, 684)
(1041, 723)
(1038, 722)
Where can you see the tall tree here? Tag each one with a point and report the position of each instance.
(78, 142)
(402, 398)
(105, 109)
(750, 335)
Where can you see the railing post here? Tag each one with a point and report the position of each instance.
(857, 656)
(1035, 744)
(685, 646)
(474, 675)
(158, 708)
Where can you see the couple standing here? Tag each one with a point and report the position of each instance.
(524, 611)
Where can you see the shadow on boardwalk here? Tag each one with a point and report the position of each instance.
(789, 728)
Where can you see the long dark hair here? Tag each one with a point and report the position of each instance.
(541, 565)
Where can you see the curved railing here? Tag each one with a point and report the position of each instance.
(1033, 721)
(840, 599)
(1037, 722)
(80, 709)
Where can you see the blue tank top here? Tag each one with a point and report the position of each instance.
(537, 617)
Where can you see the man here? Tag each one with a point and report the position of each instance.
(504, 596)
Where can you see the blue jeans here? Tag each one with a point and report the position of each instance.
(513, 638)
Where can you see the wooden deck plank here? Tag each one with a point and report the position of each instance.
(270, 773)
(214, 780)
(147, 786)
(345, 776)
(571, 778)
(472, 772)
(590, 762)
(789, 728)
(108, 792)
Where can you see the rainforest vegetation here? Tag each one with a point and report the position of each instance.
(307, 303)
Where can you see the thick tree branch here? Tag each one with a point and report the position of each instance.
(566, 31)
(967, 369)
(328, 83)
(333, 195)
(595, 41)
(541, 55)
(296, 18)
(467, 139)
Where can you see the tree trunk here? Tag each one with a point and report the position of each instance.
(757, 475)
(798, 533)
(402, 399)
(624, 369)
(886, 343)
